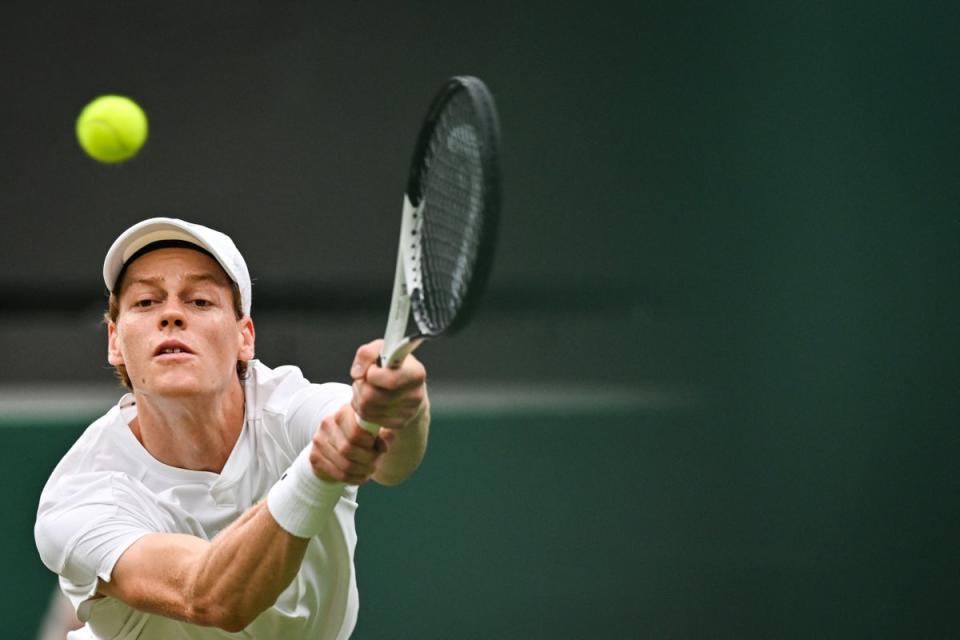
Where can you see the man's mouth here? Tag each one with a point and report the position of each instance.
(171, 347)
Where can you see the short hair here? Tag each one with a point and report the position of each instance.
(113, 312)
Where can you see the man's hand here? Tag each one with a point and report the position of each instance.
(391, 398)
(343, 451)
(395, 399)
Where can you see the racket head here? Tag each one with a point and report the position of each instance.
(454, 185)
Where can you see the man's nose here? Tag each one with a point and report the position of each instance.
(172, 316)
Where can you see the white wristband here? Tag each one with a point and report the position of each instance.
(301, 502)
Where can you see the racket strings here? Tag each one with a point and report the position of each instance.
(453, 192)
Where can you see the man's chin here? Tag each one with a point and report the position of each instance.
(173, 385)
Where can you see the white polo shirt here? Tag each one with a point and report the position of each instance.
(108, 491)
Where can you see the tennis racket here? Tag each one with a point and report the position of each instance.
(449, 222)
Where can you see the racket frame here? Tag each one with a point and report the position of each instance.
(397, 343)
(408, 282)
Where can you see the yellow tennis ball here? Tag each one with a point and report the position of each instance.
(112, 128)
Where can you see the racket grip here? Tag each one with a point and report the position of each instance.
(369, 426)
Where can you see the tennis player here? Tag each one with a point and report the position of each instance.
(218, 496)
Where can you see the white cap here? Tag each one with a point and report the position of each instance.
(140, 235)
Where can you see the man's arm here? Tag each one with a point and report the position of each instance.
(232, 579)
(406, 448)
(224, 583)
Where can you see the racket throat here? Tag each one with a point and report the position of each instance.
(397, 341)
(393, 358)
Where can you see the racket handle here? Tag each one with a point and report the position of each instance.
(369, 426)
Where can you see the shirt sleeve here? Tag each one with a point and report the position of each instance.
(309, 406)
(85, 523)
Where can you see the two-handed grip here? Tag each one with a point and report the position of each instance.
(397, 356)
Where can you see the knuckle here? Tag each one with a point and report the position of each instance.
(318, 442)
(414, 367)
(370, 349)
(327, 425)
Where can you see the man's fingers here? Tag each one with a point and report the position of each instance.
(342, 450)
(339, 468)
(367, 395)
(366, 355)
(411, 373)
(387, 408)
(391, 397)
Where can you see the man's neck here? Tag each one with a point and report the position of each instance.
(196, 432)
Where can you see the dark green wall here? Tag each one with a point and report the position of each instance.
(28, 453)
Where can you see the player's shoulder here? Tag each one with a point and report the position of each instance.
(102, 450)
(102, 435)
(280, 389)
(263, 377)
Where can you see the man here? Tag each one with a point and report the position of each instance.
(218, 496)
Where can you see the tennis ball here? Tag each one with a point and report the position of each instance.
(112, 128)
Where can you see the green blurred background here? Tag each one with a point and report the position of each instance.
(713, 389)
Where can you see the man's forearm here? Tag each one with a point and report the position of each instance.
(250, 563)
(224, 583)
(407, 448)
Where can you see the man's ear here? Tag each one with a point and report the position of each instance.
(114, 356)
(248, 338)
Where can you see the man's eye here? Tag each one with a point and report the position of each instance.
(200, 302)
(143, 303)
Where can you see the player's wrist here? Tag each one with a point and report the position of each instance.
(300, 501)
(420, 419)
